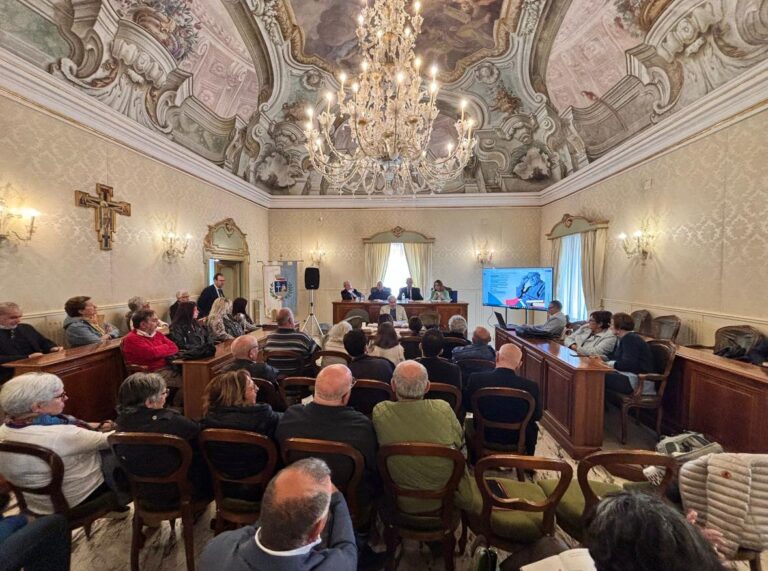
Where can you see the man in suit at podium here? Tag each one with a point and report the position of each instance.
(210, 294)
(410, 292)
(379, 292)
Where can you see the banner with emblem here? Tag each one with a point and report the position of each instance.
(280, 287)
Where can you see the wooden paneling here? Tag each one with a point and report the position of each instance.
(444, 310)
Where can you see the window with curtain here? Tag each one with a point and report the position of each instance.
(570, 290)
(397, 268)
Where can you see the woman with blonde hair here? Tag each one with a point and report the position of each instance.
(229, 401)
(220, 322)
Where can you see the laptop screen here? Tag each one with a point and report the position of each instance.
(500, 319)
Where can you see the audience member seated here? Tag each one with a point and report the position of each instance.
(387, 344)
(631, 357)
(350, 294)
(379, 292)
(385, 318)
(134, 304)
(229, 401)
(41, 544)
(210, 294)
(193, 340)
(412, 418)
(286, 338)
(19, 340)
(220, 322)
(328, 417)
(364, 366)
(240, 315)
(81, 325)
(409, 292)
(457, 327)
(141, 408)
(439, 370)
(395, 311)
(508, 359)
(439, 292)
(552, 328)
(34, 403)
(335, 342)
(479, 349)
(415, 325)
(594, 337)
(633, 531)
(182, 296)
(297, 505)
(147, 347)
(247, 356)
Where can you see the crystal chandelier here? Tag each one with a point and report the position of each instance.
(388, 114)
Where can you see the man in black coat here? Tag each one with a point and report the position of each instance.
(210, 294)
(439, 370)
(349, 293)
(410, 292)
(380, 292)
(508, 359)
(365, 366)
(19, 340)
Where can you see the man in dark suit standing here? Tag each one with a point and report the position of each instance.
(410, 292)
(210, 294)
(507, 360)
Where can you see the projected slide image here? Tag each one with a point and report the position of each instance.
(517, 288)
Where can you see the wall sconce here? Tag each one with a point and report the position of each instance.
(7, 215)
(316, 256)
(639, 245)
(484, 255)
(175, 245)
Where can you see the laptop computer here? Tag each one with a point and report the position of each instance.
(502, 322)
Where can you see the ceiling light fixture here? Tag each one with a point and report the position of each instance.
(389, 115)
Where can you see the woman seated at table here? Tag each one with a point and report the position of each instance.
(387, 344)
(594, 337)
(221, 324)
(631, 357)
(82, 326)
(240, 315)
(439, 292)
(34, 403)
(335, 342)
(190, 337)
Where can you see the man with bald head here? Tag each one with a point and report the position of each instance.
(286, 338)
(508, 360)
(480, 349)
(245, 350)
(297, 505)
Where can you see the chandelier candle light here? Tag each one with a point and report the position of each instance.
(389, 115)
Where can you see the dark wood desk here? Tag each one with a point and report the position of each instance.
(91, 374)
(572, 390)
(444, 310)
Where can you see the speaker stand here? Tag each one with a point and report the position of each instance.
(311, 323)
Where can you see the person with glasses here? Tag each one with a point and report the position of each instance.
(594, 337)
(19, 340)
(182, 296)
(34, 405)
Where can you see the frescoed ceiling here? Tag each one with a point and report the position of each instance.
(553, 84)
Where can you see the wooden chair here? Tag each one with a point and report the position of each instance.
(666, 327)
(438, 524)
(430, 319)
(643, 322)
(294, 389)
(146, 509)
(237, 458)
(358, 312)
(290, 361)
(583, 494)
(82, 515)
(480, 445)
(446, 392)
(469, 366)
(269, 394)
(411, 346)
(346, 464)
(340, 355)
(450, 343)
(743, 336)
(753, 557)
(366, 394)
(663, 357)
(525, 513)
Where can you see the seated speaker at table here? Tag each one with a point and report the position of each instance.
(379, 292)
(410, 292)
(395, 311)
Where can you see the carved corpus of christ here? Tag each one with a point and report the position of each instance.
(105, 212)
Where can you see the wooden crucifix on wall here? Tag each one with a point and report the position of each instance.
(105, 213)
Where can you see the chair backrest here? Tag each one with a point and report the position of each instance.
(238, 457)
(357, 312)
(337, 355)
(743, 336)
(443, 495)
(356, 321)
(454, 295)
(666, 327)
(493, 502)
(663, 358)
(366, 394)
(643, 322)
(482, 423)
(446, 392)
(469, 366)
(623, 458)
(52, 489)
(346, 463)
(450, 343)
(287, 360)
(411, 346)
(121, 444)
(296, 388)
(269, 394)
(430, 319)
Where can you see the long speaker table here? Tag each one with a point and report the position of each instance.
(572, 390)
(444, 310)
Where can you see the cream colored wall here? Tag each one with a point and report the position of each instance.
(45, 159)
(708, 203)
(512, 232)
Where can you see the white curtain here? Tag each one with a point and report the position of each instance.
(376, 258)
(593, 246)
(569, 289)
(555, 261)
(419, 258)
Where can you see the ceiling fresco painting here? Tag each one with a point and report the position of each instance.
(553, 84)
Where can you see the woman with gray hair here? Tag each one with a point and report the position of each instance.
(457, 327)
(34, 405)
(335, 342)
(135, 304)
